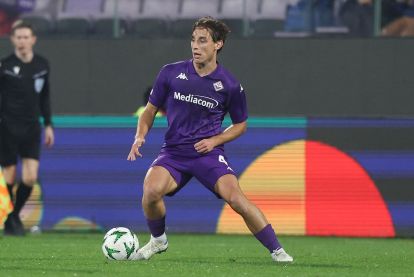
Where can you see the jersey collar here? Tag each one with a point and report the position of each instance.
(213, 75)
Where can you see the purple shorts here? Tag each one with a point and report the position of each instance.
(207, 168)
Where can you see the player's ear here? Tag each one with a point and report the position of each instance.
(219, 45)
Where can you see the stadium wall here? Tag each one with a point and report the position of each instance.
(310, 176)
(305, 77)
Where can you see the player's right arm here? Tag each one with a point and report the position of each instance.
(156, 99)
(145, 122)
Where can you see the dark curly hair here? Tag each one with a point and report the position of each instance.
(217, 29)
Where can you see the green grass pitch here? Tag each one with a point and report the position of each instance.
(63, 254)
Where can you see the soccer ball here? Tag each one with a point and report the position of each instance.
(120, 243)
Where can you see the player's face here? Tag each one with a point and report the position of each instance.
(203, 48)
(23, 40)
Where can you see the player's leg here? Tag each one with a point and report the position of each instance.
(158, 182)
(228, 188)
(29, 151)
(30, 168)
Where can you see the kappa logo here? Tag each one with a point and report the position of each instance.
(182, 76)
(218, 86)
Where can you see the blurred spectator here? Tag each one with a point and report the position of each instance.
(324, 13)
(306, 15)
(298, 17)
(404, 25)
(358, 16)
(10, 11)
(140, 110)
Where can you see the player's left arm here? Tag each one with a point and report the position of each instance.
(238, 113)
(46, 112)
(231, 133)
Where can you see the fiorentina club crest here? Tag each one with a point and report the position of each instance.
(218, 86)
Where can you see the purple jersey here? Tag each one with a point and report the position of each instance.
(196, 105)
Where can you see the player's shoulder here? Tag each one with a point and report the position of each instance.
(175, 66)
(173, 69)
(229, 79)
(228, 75)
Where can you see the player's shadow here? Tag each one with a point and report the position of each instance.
(259, 262)
(215, 261)
(314, 265)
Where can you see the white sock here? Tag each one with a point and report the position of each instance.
(162, 238)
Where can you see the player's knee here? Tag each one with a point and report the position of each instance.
(152, 193)
(238, 203)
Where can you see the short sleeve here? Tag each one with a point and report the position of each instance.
(159, 90)
(238, 105)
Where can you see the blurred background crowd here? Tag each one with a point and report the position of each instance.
(247, 18)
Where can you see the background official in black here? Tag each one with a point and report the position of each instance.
(24, 88)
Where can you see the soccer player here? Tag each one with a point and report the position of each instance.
(197, 93)
(24, 88)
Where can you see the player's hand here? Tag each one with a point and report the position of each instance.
(204, 146)
(49, 136)
(134, 153)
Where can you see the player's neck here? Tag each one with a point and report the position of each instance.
(204, 69)
(25, 57)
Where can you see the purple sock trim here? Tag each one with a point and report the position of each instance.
(156, 226)
(268, 238)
